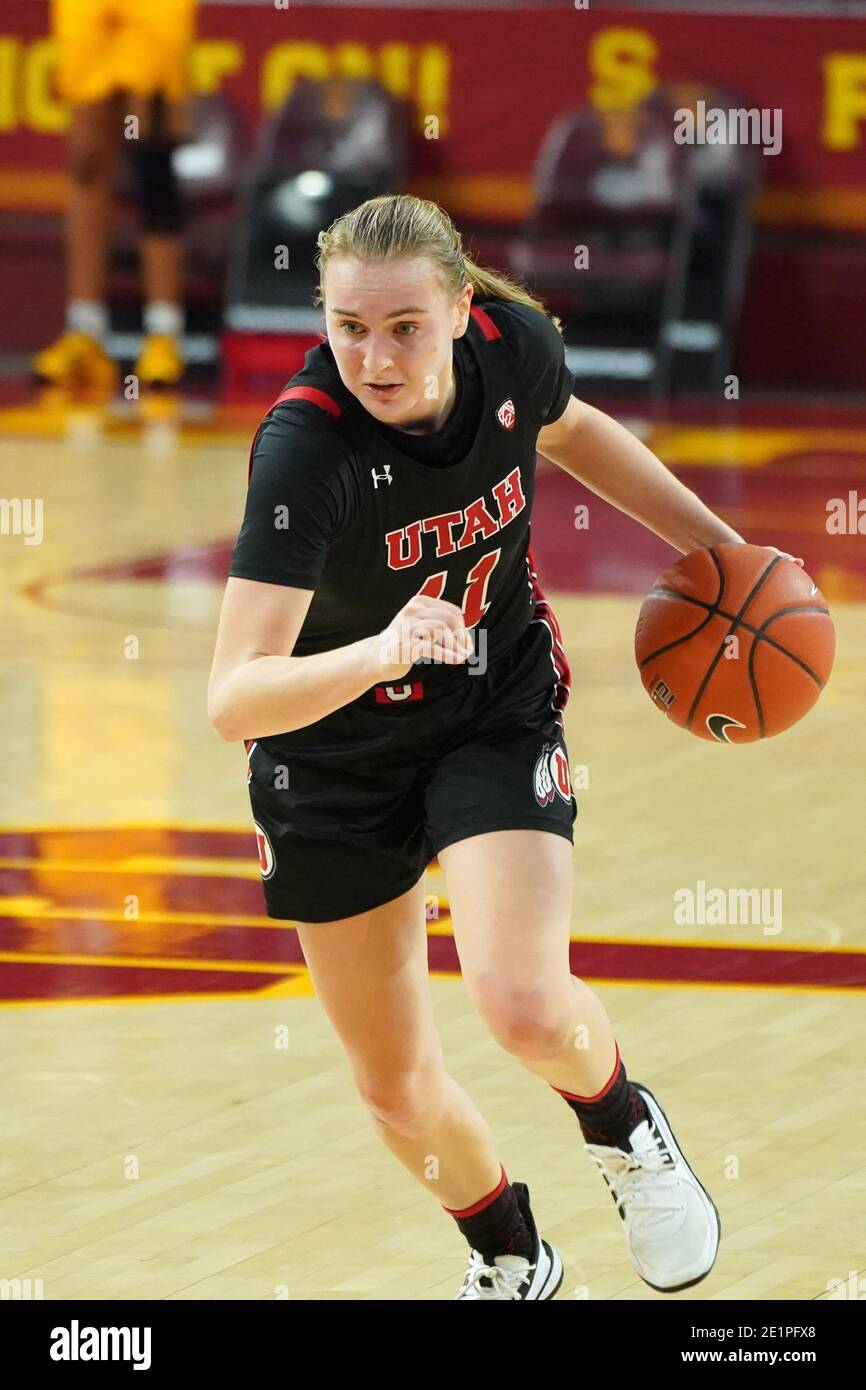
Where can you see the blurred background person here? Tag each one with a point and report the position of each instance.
(122, 67)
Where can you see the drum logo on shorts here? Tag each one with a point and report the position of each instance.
(267, 862)
(506, 414)
(551, 777)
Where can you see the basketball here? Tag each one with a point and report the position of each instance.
(734, 643)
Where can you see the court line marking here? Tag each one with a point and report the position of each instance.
(301, 982)
(117, 827)
(747, 446)
(185, 866)
(239, 967)
(102, 1000)
(434, 928)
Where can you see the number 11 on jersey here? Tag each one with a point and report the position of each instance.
(475, 603)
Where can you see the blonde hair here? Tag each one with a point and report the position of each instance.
(398, 224)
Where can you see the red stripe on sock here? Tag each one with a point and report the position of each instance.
(485, 1201)
(569, 1095)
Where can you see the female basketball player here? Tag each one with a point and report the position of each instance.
(389, 659)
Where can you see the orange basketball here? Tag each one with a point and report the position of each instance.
(734, 643)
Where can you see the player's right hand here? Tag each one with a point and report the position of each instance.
(425, 629)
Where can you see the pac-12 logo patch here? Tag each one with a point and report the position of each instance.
(267, 862)
(506, 414)
(550, 777)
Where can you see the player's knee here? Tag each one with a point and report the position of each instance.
(525, 1020)
(157, 191)
(402, 1099)
(89, 164)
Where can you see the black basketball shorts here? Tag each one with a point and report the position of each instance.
(350, 811)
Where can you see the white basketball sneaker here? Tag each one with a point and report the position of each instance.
(672, 1227)
(513, 1276)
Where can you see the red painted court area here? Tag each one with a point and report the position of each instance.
(89, 914)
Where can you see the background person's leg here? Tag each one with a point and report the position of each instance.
(162, 248)
(94, 147)
(78, 359)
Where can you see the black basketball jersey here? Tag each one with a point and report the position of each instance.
(460, 531)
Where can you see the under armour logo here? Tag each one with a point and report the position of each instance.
(382, 477)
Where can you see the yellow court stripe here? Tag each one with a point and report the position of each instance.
(34, 421)
(189, 866)
(182, 997)
(727, 984)
(298, 988)
(109, 828)
(697, 942)
(725, 446)
(24, 905)
(12, 907)
(602, 981)
(744, 446)
(445, 928)
(23, 911)
(151, 917)
(143, 864)
(240, 967)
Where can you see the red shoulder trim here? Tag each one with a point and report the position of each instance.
(485, 323)
(311, 394)
(298, 393)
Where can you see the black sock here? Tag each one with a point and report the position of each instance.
(495, 1225)
(611, 1116)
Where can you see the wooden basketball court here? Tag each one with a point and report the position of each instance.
(180, 1121)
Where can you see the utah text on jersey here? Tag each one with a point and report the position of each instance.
(405, 546)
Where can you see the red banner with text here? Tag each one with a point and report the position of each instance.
(485, 86)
